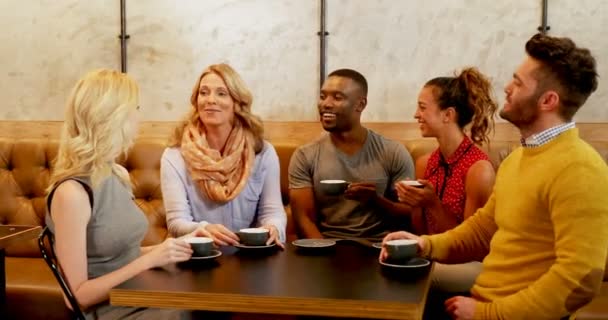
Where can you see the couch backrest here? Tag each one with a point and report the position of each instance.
(25, 166)
(24, 175)
(143, 164)
(284, 151)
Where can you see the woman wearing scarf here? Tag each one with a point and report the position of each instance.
(218, 174)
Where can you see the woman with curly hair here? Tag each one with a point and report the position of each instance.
(457, 178)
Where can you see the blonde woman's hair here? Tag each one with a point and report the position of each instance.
(242, 98)
(98, 127)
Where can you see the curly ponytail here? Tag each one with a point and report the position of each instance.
(470, 93)
(481, 102)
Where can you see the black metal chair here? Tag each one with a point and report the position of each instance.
(46, 242)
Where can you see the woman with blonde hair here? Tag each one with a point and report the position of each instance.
(457, 178)
(218, 174)
(97, 226)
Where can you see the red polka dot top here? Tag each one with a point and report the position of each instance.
(448, 178)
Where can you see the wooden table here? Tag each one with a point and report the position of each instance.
(345, 282)
(11, 234)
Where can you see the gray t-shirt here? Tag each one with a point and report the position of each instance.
(380, 160)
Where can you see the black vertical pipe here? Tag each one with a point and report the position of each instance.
(123, 36)
(322, 43)
(545, 11)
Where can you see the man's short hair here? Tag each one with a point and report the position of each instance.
(357, 77)
(571, 68)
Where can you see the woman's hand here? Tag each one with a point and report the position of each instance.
(221, 235)
(416, 196)
(397, 236)
(273, 235)
(170, 251)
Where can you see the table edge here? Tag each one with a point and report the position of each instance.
(21, 235)
(267, 304)
(427, 289)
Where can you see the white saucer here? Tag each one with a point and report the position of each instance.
(214, 254)
(377, 245)
(314, 243)
(246, 247)
(411, 264)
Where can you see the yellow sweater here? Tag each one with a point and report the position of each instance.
(544, 230)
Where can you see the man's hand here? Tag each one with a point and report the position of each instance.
(460, 308)
(397, 236)
(363, 192)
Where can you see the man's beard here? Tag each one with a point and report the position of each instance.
(522, 113)
(340, 125)
(329, 128)
(335, 127)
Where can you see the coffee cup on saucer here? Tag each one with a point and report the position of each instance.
(202, 246)
(401, 250)
(253, 236)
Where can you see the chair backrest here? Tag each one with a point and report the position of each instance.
(45, 242)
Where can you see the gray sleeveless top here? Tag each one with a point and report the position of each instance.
(116, 228)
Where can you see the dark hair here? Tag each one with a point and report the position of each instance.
(571, 68)
(470, 94)
(357, 77)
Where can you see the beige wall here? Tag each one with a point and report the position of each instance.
(397, 44)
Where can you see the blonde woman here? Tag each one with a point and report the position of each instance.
(219, 175)
(97, 226)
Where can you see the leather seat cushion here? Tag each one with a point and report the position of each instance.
(30, 275)
(32, 292)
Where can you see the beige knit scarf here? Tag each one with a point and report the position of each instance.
(219, 176)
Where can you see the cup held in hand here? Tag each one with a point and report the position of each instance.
(401, 250)
(333, 187)
(412, 183)
(202, 246)
(253, 236)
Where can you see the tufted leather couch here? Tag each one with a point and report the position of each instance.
(32, 292)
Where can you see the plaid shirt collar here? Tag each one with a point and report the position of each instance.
(538, 139)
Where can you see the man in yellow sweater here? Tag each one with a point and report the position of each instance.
(543, 234)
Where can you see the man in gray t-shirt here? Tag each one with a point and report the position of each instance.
(371, 163)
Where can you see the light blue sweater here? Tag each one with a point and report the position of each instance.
(259, 203)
